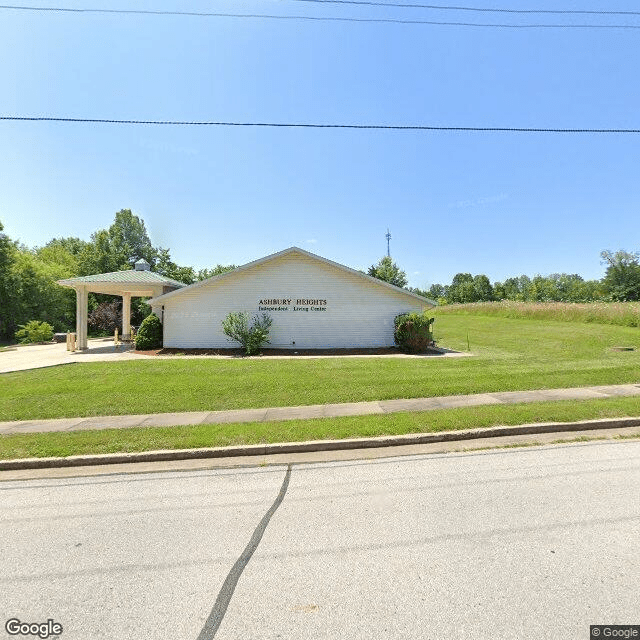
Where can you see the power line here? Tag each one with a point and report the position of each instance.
(440, 7)
(317, 18)
(308, 125)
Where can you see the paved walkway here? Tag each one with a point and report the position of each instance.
(38, 356)
(316, 411)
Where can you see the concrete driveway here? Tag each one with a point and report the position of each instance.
(36, 356)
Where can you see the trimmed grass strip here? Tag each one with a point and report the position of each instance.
(62, 444)
(508, 355)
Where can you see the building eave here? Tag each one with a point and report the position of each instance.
(160, 300)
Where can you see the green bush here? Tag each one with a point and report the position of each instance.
(236, 327)
(149, 335)
(413, 332)
(35, 331)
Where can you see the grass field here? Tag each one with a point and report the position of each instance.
(625, 314)
(509, 354)
(220, 435)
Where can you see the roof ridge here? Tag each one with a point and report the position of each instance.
(287, 251)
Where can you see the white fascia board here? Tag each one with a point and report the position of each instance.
(229, 274)
(137, 291)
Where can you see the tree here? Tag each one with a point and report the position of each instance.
(467, 288)
(96, 257)
(37, 294)
(73, 246)
(437, 291)
(28, 288)
(461, 289)
(388, 271)
(543, 289)
(205, 274)
(7, 294)
(166, 267)
(119, 247)
(129, 240)
(106, 317)
(622, 277)
(419, 292)
(482, 288)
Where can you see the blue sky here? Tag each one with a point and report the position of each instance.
(494, 203)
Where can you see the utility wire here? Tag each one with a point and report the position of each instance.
(318, 18)
(440, 7)
(307, 125)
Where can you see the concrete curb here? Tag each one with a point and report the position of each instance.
(316, 445)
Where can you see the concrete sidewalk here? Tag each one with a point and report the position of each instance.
(38, 356)
(380, 407)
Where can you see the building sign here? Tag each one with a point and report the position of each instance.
(292, 304)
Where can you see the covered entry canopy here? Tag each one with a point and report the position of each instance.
(137, 282)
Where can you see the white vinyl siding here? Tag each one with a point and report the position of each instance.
(359, 313)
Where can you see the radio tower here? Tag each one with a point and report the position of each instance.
(388, 237)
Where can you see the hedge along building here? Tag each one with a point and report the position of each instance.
(314, 303)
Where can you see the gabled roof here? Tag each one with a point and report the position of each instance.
(123, 277)
(274, 256)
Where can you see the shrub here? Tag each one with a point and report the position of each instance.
(236, 327)
(35, 331)
(106, 317)
(149, 335)
(413, 332)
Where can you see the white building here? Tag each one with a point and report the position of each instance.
(314, 303)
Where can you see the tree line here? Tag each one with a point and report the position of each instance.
(28, 289)
(621, 283)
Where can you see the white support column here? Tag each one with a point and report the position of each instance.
(126, 316)
(82, 300)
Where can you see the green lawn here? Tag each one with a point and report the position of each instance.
(509, 354)
(220, 435)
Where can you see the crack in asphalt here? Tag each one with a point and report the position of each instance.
(216, 616)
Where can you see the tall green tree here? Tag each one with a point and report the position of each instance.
(461, 289)
(73, 246)
(168, 268)
(7, 292)
(119, 247)
(437, 291)
(622, 277)
(388, 271)
(129, 240)
(482, 288)
(39, 297)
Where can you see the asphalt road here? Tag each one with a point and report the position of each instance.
(521, 543)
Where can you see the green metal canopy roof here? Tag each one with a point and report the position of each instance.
(124, 277)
